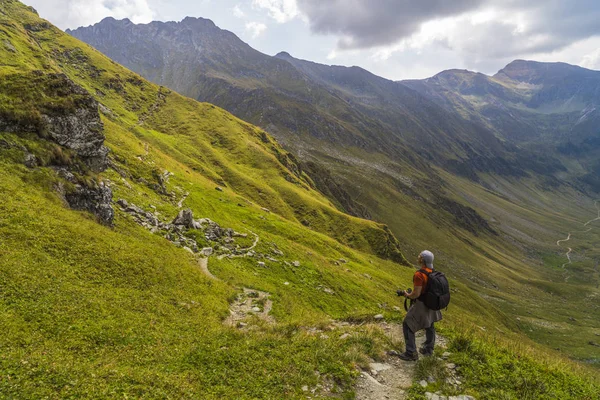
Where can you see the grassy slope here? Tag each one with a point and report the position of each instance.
(90, 311)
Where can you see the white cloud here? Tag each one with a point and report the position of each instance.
(75, 13)
(238, 12)
(591, 60)
(256, 28)
(280, 10)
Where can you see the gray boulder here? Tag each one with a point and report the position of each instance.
(185, 218)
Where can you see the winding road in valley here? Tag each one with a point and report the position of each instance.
(570, 250)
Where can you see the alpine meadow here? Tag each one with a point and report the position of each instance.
(184, 217)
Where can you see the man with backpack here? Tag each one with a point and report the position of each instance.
(432, 293)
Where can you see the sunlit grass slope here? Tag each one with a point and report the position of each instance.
(88, 311)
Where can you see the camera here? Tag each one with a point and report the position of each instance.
(401, 292)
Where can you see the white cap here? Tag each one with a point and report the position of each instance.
(427, 257)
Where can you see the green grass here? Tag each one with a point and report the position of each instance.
(89, 311)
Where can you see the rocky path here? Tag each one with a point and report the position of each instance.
(249, 303)
(391, 377)
(567, 275)
(244, 251)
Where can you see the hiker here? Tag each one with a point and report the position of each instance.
(420, 316)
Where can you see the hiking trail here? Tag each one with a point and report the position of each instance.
(569, 249)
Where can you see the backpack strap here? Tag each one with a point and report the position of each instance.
(423, 271)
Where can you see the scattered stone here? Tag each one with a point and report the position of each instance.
(378, 317)
(396, 308)
(207, 251)
(296, 263)
(393, 353)
(277, 252)
(451, 366)
(123, 203)
(185, 218)
(30, 160)
(572, 319)
(366, 276)
(261, 264)
(255, 309)
(592, 343)
(242, 324)
(286, 283)
(430, 379)
(423, 383)
(346, 336)
(219, 189)
(305, 388)
(266, 210)
(343, 261)
(9, 46)
(446, 354)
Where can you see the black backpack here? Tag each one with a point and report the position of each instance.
(437, 291)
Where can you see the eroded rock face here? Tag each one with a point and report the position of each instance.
(66, 114)
(97, 200)
(80, 129)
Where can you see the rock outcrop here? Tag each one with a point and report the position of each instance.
(62, 112)
(65, 114)
(96, 200)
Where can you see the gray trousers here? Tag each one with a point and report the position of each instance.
(410, 342)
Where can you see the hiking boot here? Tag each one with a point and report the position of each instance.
(426, 351)
(408, 356)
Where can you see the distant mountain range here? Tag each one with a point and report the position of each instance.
(465, 122)
(362, 129)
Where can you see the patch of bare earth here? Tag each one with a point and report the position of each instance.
(390, 377)
(250, 303)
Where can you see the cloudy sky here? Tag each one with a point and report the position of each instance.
(397, 39)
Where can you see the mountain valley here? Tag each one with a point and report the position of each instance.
(214, 222)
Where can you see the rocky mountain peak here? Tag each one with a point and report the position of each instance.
(535, 72)
(283, 55)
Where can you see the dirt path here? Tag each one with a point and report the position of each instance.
(203, 263)
(249, 303)
(180, 203)
(245, 251)
(597, 218)
(391, 377)
(569, 249)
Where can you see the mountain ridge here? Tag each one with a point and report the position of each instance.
(90, 310)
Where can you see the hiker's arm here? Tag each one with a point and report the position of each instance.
(415, 293)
